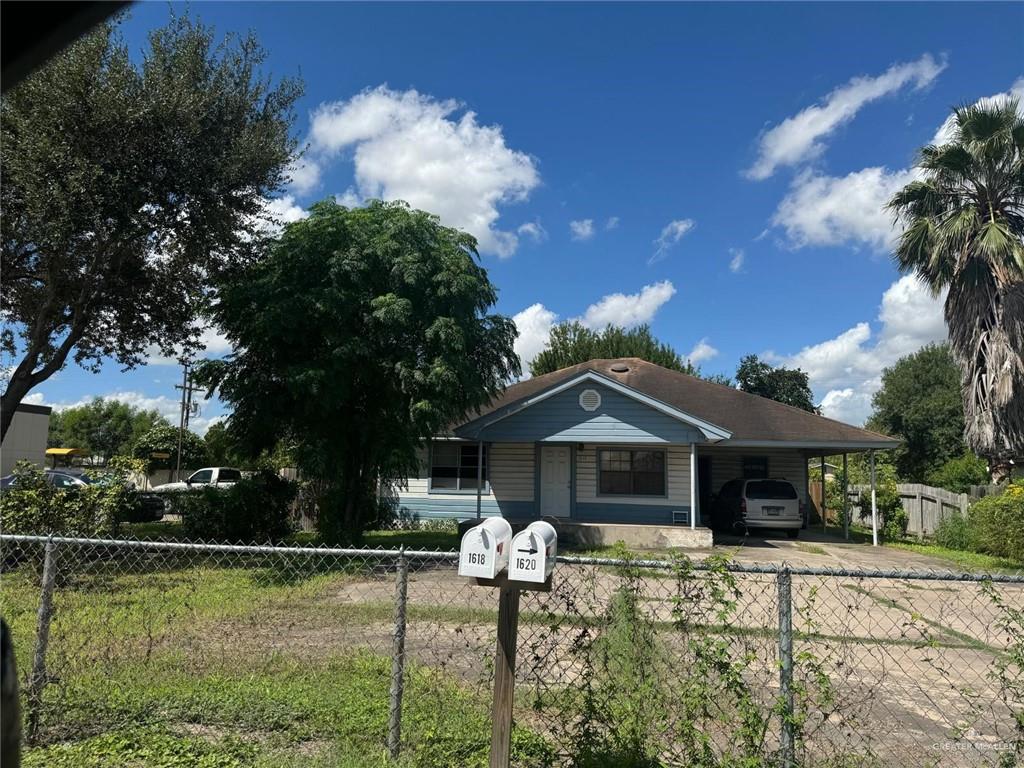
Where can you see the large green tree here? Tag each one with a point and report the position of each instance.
(126, 187)
(919, 402)
(103, 427)
(786, 385)
(361, 333)
(964, 231)
(163, 439)
(572, 342)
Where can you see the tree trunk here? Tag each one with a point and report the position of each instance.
(1001, 470)
(17, 388)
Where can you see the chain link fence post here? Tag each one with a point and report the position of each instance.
(37, 677)
(784, 582)
(398, 658)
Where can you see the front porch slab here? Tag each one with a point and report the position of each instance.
(635, 536)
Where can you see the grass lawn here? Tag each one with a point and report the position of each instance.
(192, 664)
(967, 561)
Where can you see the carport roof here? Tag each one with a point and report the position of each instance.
(753, 420)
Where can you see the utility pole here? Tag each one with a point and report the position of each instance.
(187, 390)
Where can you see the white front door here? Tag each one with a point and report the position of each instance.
(555, 480)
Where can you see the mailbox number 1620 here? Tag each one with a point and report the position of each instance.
(477, 558)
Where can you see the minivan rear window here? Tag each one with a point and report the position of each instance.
(770, 489)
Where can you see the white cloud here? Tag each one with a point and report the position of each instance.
(671, 234)
(628, 310)
(410, 146)
(285, 210)
(848, 367)
(736, 262)
(625, 311)
(582, 229)
(534, 326)
(800, 138)
(303, 175)
(612, 223)
(168, 407)
(533, 230)
(214, 344)
(701, 351)
(826, 210)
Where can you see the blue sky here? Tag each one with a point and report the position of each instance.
(715, 170)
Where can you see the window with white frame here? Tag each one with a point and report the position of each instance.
(631, 472)
(453, 466)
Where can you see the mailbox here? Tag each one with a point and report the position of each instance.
(533, 553)
(485, 548)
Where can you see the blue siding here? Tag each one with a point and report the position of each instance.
(619, 419)
(639, 514)
(427, 507)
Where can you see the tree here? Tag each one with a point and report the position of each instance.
(220, 447)
(163, 438)
(571, 343)
(361, 334)
(964, 231)
(785, 385)
(960, 473)
(919, 402)
(103, 428)
(126, 188)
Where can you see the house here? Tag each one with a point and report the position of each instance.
(620, 442)
(26, 437)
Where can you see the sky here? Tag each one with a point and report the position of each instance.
(717, 171)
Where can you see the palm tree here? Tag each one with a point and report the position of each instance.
(964, 230)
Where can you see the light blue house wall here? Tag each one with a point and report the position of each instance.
(619, 419)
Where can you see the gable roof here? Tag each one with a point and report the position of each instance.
(751, 419)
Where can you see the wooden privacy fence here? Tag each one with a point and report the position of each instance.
(925, 505)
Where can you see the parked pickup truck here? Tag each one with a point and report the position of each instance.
(220, 477)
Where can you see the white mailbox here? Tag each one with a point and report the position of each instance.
(533, 553)
(485, 548)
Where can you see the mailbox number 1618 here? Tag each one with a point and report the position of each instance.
(477, 558)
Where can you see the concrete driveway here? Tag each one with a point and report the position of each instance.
(819, 550)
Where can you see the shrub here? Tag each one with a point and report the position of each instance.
(33, 506)
(953, 532)
(959, 473)
(252, 510)
(996, 524)
(892, 517)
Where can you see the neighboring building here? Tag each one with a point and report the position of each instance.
(619, 441)
(26, 437)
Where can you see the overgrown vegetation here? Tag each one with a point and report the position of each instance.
(252, 510)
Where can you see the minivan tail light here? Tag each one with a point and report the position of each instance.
(743, 507)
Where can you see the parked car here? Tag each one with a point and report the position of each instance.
(767, 504)
(220, 477)
(149, 506)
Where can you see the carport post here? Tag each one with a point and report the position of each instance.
(846, 501)
(824, 508)
(874, 505)
(479, 473)
(693, 485)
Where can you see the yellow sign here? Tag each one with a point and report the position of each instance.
(160, 455)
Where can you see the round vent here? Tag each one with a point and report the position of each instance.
(620, 368)
(590, 399)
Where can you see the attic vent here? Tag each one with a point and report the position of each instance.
(620, 368)
(590, 400)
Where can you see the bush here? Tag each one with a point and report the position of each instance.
(996, 524)
(253, 510)
(892, 517)
(960, 473)
(33, 506)
(954, 532)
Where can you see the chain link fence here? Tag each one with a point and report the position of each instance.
(354, 657)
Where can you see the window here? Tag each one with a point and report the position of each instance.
(755, 467)
(631, 473)
(202, 476)
(229, 476)
(453, 466)
(770, 489)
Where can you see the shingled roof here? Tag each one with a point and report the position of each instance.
(750, 418)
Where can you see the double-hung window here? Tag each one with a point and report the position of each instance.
(453, 466)
(631, 473)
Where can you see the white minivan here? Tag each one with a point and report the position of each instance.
(754, 505)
